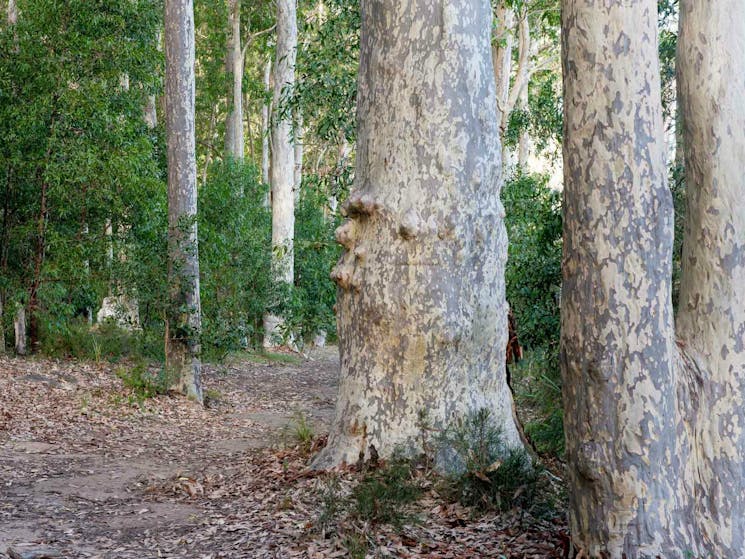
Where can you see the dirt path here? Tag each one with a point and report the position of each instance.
(89, 473)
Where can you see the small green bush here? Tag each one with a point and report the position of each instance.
(76, 339)
(144, 383)
(383, 494)
(487, 474)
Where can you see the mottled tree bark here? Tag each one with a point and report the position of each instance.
(654, 432)
(283, 161)
(422, 315)
(234, 143)
(184, 319)
(711, 310)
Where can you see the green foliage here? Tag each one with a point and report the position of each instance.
(301, 431)
(533, 278)
(76, 339)
(234, 252)
(143, 383)
(489, 475)
(383, 494)
(311, 307)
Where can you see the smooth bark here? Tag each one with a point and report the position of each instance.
(265, 112)
(234, 142)
(184, 317)
(19, 329)
(422, 316)
(283, 161)
(653, 419)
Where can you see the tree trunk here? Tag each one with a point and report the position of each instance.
(184, 320)
(502, 43)
(19, 328)
(422, 315)
(283, 161)
(12, 12)
(298, 155)
(711, 311)
(234, 143)
(265, 111)
(654, 436)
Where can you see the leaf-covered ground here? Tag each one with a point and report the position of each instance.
(89, 470)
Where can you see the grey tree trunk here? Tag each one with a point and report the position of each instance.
(654, 428)
(283, 161)
(2, 327)
(298, 155)
(184, 320)
(711, 310)
(234, 143)
(422, 316)
(265, 112)
(19, 329)
(12, 12)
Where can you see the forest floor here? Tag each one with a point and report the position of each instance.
(88, 470)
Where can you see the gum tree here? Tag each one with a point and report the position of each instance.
(655, 427)
(422, 316)
(184, 317)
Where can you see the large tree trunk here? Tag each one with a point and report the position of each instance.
(234, 143)
(283, 161)
(654, 435)
(422, 315)
(711, 310)
(184, 319)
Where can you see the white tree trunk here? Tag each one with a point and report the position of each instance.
(298, 144)
(234, 142)
(283, 160)
(12, 12)
(502, 55)
(19, 329)
(184, 320)
(422, 315)
(265, 112)
(654, 432)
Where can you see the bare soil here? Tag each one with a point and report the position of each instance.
(88, 470)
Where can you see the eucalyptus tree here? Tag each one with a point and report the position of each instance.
(234, 143)
(422, 316)
(653, 414)
(184, 316)
(283, 159)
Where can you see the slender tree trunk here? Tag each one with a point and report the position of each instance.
(422, 315)
(184, 320)
(265, 111)
(234, 142)
(19, 327)
(519, 84)
(2, 326)
(283, 161)
(654, 430)
(298, 155)
(502, 44)
(12, 12)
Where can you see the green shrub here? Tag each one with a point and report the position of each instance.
(485, 472)
(383, 494)
(144, 383)
(75, 338)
